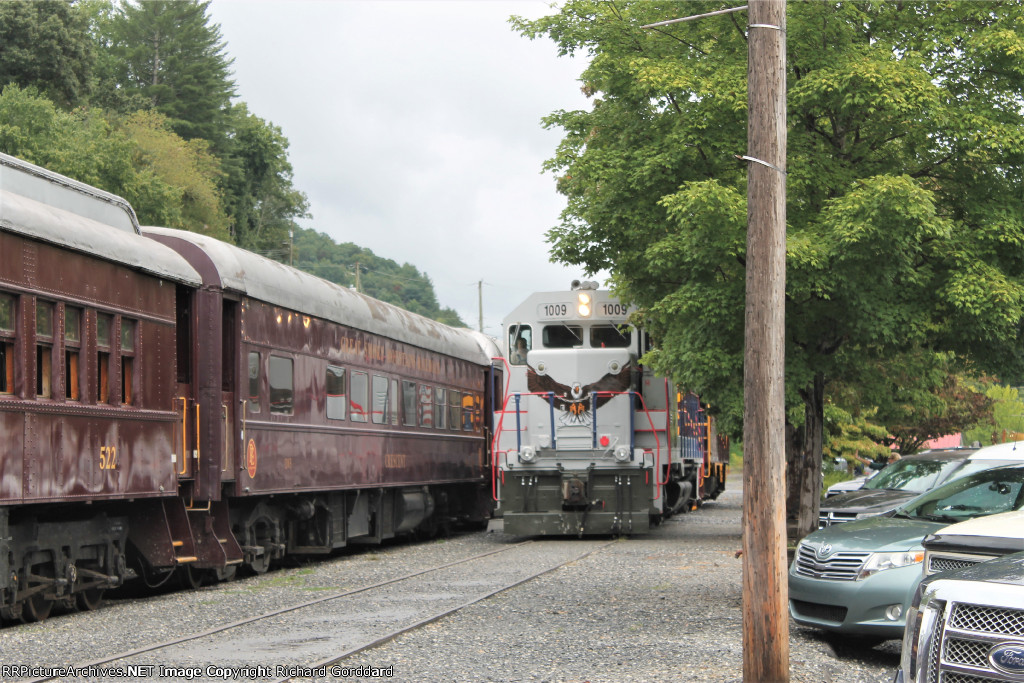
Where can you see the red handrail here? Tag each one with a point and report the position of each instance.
(500, 427)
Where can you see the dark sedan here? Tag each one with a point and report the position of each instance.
(910, 477)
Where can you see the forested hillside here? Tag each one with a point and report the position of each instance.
(137, 98)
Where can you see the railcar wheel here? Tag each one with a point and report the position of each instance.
(89, 599)
(36, 608)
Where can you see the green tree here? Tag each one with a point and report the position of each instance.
(260, 197)
(167, 53)
(187, 166)
(1007, 418)
(167, 180)
(904, 183)
(45, 44)
(381, 278)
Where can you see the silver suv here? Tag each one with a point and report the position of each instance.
(967, 625)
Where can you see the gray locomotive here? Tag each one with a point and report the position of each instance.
(588, 441)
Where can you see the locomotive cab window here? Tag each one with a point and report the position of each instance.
(7, 319)
(520, 341)
(128, 329)
(44, 349)
(282, 385)
(359, 391)
(562, 336)
(253, 385)
(610, 337)
(72, 353)
(104, 327)
(337, 398)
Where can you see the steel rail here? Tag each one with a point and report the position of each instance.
(437, 617)
(284, 610)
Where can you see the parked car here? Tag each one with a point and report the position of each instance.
(848, 485)
(967, 625)
(910, 477)
(977, 540)
(858, 578)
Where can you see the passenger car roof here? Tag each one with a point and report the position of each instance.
(260, 278)
(48, 207)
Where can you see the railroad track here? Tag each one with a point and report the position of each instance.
(323, 632)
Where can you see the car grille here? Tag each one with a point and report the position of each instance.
(961, 655)
(995, 620)
(830, 517)
(941, 563)
(841, 566)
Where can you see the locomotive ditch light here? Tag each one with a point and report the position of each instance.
(622, 454)
(583, 307)
(528, 454)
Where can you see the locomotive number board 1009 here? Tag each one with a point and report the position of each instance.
(561, 311)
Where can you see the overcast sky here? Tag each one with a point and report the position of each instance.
(415, 132)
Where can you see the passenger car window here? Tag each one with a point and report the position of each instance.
(409, 403)
(72, 353)
(358, 395)
(44, 349)
(7, 318)
(440, 409)
(282, 385)
(253, 400)
(380, 400)
(337, 399)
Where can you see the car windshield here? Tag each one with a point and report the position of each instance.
(983, 493)
(916, 475)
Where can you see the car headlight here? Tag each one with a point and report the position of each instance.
(865, 515)
(879, 562)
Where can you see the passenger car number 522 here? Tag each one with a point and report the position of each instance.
(108, 457)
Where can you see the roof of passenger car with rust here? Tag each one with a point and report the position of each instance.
(48, 207)
(281, 285)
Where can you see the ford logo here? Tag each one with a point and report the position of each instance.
(824, 550)
(1007, 657)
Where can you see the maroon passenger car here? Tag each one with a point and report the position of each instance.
(174, 405)
(323, 415)
(87, 416)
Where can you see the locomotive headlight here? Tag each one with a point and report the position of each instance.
(622, 454)
(528, 454)
(583, 307)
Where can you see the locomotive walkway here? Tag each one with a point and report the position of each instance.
(663, 607)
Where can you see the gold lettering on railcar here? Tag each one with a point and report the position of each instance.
(394, 461)
(370, 351)
(287, 463)
(108, 457)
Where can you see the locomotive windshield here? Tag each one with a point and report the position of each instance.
(610, 337)
(563, 336)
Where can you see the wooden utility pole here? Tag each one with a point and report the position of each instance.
(765, 592)
(480, 302)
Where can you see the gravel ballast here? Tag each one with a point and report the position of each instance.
(660, 607)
